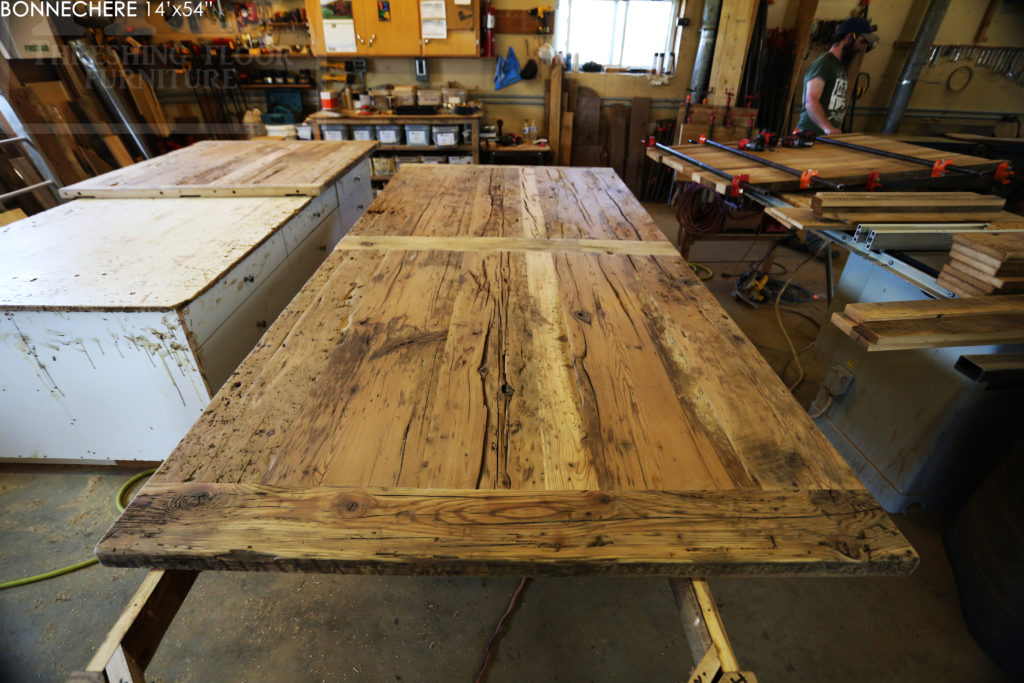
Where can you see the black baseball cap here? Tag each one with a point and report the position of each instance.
(861, 27)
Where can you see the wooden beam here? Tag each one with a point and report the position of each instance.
(932, 309)
(132, 642)
(505, 533)
(802, 28)
(735, 26)
(555, 111)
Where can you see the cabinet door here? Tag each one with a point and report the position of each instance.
(334, 34)
(388, 28)
(463, 32)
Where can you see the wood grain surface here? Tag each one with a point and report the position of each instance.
(832, 163)
(231, 168)
(475, 404)
(135, 254)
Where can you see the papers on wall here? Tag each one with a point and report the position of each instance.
(433, 19)
(340, 35)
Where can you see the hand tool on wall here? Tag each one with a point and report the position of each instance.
(542, 15)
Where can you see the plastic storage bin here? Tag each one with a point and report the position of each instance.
(429, 98)
(403, 159)
(334, 131)
(363, 132)
(417, 134)
(432, 159)
(446, 136)
(389, 134)
(460, 159)
(383, 166)
(304, 130)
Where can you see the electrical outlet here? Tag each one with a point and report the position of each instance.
(420, 68)
(838, 380)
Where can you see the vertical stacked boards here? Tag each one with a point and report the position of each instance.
(983, 264)
(506, 371)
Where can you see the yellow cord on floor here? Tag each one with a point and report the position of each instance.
(121, 505)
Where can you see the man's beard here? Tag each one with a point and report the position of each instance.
(849, 52)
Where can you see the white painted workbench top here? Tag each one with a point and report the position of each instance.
(131, 254)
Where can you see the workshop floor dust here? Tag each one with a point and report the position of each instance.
(295, 627)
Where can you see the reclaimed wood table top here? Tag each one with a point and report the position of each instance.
(506, 371)
(834, 163)
(133, 254)
(231, 168)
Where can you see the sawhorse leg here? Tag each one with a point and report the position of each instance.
(709, 644)
(131, 644)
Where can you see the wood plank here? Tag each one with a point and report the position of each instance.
(597, 246)
(932, 309)
(555, 112)
(966, 331)
(639, 119)
(959, 286)
(586, 141)
(986, 263)
(948, 271)
(231, 168)
(565, 144)
(1009, 284)
(142, 624)
(117, 150)
(618, 130)
(802, 30)
(999, 248)
(897, 202)
(509, 533)
(735, 26)
(8, 217)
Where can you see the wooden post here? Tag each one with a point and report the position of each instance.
(555, 111)
(804, 17)
(734, 30)
(713, 656)
(131, 644)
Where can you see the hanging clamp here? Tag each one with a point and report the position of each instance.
(874, 181)
(939, 167)
(1003, 173)
(737, 180)
(805, 178)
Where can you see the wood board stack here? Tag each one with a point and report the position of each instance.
(984, 264)
(833, 163)
(733, 123)
(908, 207)
(933, 323)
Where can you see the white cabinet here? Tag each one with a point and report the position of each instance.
(121, 318)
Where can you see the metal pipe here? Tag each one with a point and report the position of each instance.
(839, 187)
(24, 190)
(754, 191)
(916, 60)
(903, 157)
(705, 49)
(87, 59)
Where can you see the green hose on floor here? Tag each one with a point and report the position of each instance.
(121, 505)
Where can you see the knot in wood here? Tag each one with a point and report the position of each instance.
(349, 506)
(582, 316)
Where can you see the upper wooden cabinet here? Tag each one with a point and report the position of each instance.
(390, 28)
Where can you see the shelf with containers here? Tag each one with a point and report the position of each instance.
(436, 138)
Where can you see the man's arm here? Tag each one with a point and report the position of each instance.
(812, 104)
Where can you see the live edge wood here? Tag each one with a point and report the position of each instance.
(508, 533)
(546, 401)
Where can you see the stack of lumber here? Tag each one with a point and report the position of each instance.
(69, 125)
(833, 163)
(731, 124)
(581, 134)
(931, 323)
(909, 207)
(985, 264)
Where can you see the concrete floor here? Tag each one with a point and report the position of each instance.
(282, 627)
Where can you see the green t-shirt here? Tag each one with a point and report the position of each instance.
(833, 95)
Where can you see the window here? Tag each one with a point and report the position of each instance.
(624, 33)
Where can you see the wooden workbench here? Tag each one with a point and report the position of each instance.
(833, 163)
(231, 168)
(506, 371)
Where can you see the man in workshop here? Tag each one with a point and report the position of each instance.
(825, 83)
